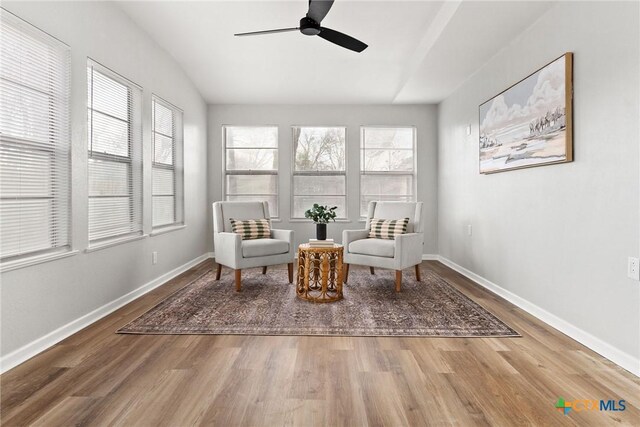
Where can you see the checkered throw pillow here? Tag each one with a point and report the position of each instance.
(387, 228)
(251, 228)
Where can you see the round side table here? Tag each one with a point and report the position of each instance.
(319, 273)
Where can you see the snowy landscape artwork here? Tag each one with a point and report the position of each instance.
(529, 124)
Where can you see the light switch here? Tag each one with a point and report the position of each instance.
(633, 268)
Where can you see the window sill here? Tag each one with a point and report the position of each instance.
(33, 260)
(114, 242)
(162, 230)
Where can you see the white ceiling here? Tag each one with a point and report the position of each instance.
(419, 51)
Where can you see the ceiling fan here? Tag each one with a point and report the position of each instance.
(310, 26)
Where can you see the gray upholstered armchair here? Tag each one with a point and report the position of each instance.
(403, 252)
(233, 252)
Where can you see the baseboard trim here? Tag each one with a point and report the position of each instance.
(606, 350)
(39, 345)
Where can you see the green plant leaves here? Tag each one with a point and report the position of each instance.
(321, 214)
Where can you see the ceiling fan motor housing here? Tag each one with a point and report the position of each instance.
(309, 27)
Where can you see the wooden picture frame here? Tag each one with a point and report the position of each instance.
(531, 122)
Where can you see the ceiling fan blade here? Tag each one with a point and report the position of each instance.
(318, 9)
(341, 39)
(257, 33)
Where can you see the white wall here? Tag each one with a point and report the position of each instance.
(39, 299)
(351, 116)
(556, 236)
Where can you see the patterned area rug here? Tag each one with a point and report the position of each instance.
(268, 305)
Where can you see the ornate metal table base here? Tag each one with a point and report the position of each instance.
(319, 273)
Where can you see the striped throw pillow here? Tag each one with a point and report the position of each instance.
(387, 228)
(251, 228)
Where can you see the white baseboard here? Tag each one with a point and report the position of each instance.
(27, 351)
(606, 350)
(614, 354)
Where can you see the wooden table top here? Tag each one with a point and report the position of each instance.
(307, 247)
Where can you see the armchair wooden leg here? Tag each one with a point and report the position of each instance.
(372, 270)
(264, 270)
(418, 278)
(218, 271)
(398, 280)
(238, 279)
(290, 271)
(346, 273)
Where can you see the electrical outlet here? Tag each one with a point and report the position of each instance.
(468, 130)
(469, 230)
(154, 258)
(633, 268)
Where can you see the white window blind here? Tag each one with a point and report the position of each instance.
(34, 140)
(167, 164)
(319, 172)
(115, 154)
(251, 164)
(387, 165)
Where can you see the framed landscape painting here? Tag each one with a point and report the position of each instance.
(530, 123)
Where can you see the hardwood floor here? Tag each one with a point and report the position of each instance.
(97, 377)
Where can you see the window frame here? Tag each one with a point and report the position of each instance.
(414, 171)
(295, 173)
(135, 125)
(177, 165)
(250, 172)
(58, 246)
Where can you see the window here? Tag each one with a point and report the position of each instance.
(115, 155)
(34, 140)
(251, 164)
(387, 165)
(167, 164)
(319, 173)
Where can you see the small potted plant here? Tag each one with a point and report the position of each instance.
(321, 215)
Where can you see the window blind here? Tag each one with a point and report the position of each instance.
(34, 140)
(115, 154)
(167, 164)
(319, 169)
(251, 164)
(387, 165)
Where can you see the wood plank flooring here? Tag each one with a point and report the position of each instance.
(96, 377)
